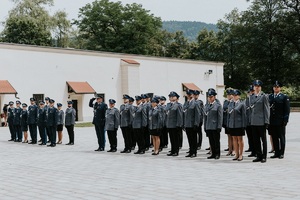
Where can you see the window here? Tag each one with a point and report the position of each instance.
(38, 97)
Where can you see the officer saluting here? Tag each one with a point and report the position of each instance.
(259, 120)
(10, 121)
(99, 120)
(279, 117)
(32, 120)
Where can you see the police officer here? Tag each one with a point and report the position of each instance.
(147, 107)
(17, 121)
(47, 105)
(155, 122)
(201, 106)
(248, 128)
(236, 123)
(99, 120)
(10, 121)
(70, 122)
(32, 120)
(126, 113)
(191, 113)
(41, 122)
(51, 118)
(112, 123)
(259, 120)
(60, 123)
(213, 120)
(227, 103)
(164, 132)
(24, 122)
(279, 117)
(139, 123)
(133, 139)
(174, 122)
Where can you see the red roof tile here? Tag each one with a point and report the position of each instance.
(80, 87)
(191, 86)
(133, 62)
(6, 87)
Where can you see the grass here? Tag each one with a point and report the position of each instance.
(86, 124)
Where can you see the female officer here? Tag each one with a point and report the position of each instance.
(60, 123)
(228, 103)
(17, 121)
(24, 124)
(155, 122)
(237, 122)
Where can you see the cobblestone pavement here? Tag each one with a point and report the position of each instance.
(78, 172)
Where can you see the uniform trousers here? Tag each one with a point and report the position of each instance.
(70, 130)
(214, 141)
(250, 139)
(180, 135)
(278, 137)
(18, 132)
(138, 133)
(12, 131)
(146, 137)
(127, 137)
(112, 138)
(192, 139)
(260, 141)
(133, 138)
(42, 131)
(199, 138)
(52, 134)
(164, 137)
(48, 133)
(174, 139)
(33, 132)
(100, 132)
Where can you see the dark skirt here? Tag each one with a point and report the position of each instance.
(155, 132)
(237, 131)
(227, 131)
(24, 128)
(60, 127)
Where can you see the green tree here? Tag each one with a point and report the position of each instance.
(61, 29)
(110, 26)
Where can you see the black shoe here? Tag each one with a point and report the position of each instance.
(275, 156)
(151, 146)
(208, 153)
(53, 145)
(132, 148)
(272, 151)
(155, 154)
(193, 155)
(188, 152)
(207, 148)
(11, 140)
(235, 159)
(166, 146)
(189, 155)
(142, 152)
(281, 157)
(42, 144)
(111, 150)
(257, 160)
(97, 149)
(19, 140)
(25, 141)
(138, 152)
(32, 143)
(263, 160)
(217, 157)
(226, 149)
(114, 150)
(170, 154)
(251, 155)
(70, 143)
(49, 145)
(211, 157)
(40, 140)
(175, 154)
(249, 150)
(101, 149)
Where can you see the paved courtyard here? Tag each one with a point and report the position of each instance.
(78, 172)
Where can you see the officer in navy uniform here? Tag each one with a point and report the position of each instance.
(279, 117)
(126, 114)
(259, 120)
(248, 128)
(47, 105)
(17, 122)
(191, 113)
(174, 122)
(10, 121)
(201, 106)
(99, 120)
(51, 117)
(70, 122)
(112, 123)
(24, 122)
(139, 123)
(32, 120)
(213, 120)
(41, 122)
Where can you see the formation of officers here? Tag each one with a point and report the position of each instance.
(44, 117)
(149, 122)
(152, 122)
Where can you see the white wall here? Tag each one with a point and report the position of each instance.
(33, 70)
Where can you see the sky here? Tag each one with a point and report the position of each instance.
(209, 11)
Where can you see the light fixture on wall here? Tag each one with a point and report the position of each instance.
(208, 72)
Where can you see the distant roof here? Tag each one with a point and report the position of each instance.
(133, 62)
(6, 87)
(191, 86)
(80, 87)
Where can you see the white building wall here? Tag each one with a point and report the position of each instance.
(35, 70)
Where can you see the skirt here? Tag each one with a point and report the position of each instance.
(24, 128)
(155, 132)
(60, 127)
(237, 131)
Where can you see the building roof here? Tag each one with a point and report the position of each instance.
(132, 62)
(6, 87)
(80, 87)
(190, 86)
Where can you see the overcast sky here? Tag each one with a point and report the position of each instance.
(209, 11)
